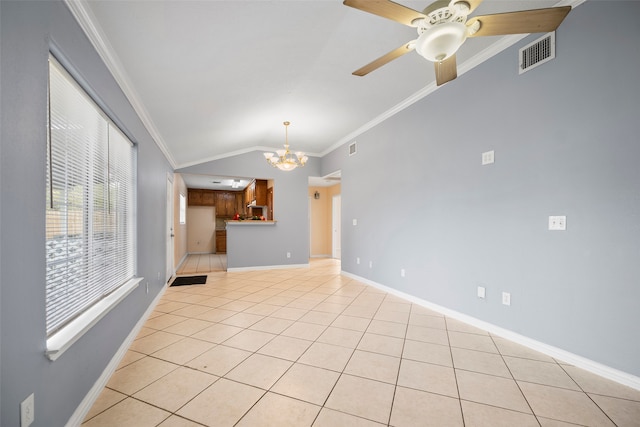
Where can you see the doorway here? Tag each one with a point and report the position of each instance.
(336, 251)
(169, 230)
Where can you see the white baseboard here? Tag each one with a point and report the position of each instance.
(321, 256)
(267, 267)
(85, 406)
(182, 260)
(604, 371)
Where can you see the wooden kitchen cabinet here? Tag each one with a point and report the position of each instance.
(256, 190)
(200, 197)
(249, 192)
(220, 207)
(208, 198)
(221, 241)
(225, 203)
(261, 192)
(194, 197)
(240, 204)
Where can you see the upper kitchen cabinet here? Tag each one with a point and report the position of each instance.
(250, 201)
(225, 203)
(198, 197)
(256, 192)
(194, 197)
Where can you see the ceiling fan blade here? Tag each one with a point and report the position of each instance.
(521, 22)
(374, 65)
(446, 70)
(387, 9)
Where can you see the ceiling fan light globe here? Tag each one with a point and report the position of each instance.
(441, 41)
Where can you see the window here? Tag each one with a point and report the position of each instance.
(183, 209)
(90, 213)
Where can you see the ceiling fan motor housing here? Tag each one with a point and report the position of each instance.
(443, 32)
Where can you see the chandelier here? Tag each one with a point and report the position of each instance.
(285, 160)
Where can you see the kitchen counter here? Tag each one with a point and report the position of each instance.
(249, 222)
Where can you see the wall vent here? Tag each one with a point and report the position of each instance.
(352, 149)
(538, 52)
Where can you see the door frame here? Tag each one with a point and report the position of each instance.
(170, 234)
(336, 230)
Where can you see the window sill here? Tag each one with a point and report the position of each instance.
(64, 338)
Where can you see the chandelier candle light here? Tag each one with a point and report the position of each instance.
(285, 160)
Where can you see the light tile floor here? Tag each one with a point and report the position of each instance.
(203, 263)
(309, 347)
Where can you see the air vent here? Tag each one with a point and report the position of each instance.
(538, 52)
(352, 149)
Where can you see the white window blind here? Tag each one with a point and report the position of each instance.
(90, 214)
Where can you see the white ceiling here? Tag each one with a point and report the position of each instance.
(215, 78)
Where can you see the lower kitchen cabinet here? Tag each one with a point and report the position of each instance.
(221, 241)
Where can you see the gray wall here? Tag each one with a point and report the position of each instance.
(28, 29)
(257, 246)
(565, 137)
(566, 143)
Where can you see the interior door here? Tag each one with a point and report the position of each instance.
(169, 230)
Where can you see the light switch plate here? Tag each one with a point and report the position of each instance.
(506, 298)
(481, 292)
(27, 412)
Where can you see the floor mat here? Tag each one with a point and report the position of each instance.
(189, 280)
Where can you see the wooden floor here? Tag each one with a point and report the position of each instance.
(203, 263)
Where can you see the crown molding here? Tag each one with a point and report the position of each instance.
(85, 18)
(495, 48)
(235, 153)
(91, 28)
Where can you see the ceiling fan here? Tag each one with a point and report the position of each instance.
(444, 25)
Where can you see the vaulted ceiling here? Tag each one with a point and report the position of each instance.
(215, 78)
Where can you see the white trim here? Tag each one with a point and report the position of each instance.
(182, 260)
(235, 153)
(321, 256)
(607, 372)
(90, 398)
(65, 337)
(91, 28)
(89, 24)
(494, 49)
(266, 267)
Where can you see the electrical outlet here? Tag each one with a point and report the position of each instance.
(481, 292)
(558, 223)
(370, 264)
(355, 221)
(27, 411)
(358, 260)
(506, 298)
(488, 157)
(288, 254)
(147, 287)
(402, 272)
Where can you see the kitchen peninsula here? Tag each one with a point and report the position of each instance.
(248, 244)
(249, 222)
(227, 207)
